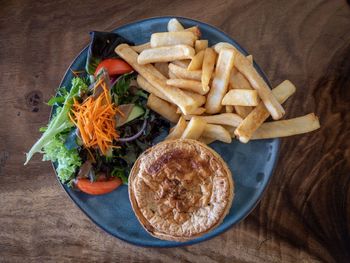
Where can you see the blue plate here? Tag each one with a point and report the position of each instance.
(252, 164)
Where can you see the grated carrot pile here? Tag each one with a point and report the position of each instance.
(95, 119)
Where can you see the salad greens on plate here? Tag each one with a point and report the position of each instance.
(100, 124)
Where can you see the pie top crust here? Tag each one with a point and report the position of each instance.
(180, 189)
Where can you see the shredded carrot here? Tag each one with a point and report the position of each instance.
(95, 119)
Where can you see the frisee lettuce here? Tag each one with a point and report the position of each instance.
(60, 121)
(67, 160)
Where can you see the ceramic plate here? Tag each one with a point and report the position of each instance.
(252, 164)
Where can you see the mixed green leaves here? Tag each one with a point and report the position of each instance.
(67, 160)
(60, 121)
(60, 141)
(102, 46)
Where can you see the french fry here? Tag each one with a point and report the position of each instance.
(198, 111)
(229, 108)
(197, 61)
(163, 68)
(241, 97)
(206, 140)
(165, 54)
(284, 128)
(195, 30)
(177, 96)
(142, 47)
(155, 72)
(238, 81)
(259, 114)
(163, 39)
(217, 132)
(199, 99)
(184, 73)
(194, 129)
(229, 119)
(174, 25)
(187, 84)
(223, 45)
(182, 63)
(250, 58)
(208, 66)
(163, 108)
(242, 111)
(220, 81)
(257, 82)
(145, 85)
(245, 66)
(177, 130)
(231, 130)
(172, 75)
(200, 45)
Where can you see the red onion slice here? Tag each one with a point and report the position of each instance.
(138, 134)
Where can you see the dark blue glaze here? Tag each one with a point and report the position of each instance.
(252, 164)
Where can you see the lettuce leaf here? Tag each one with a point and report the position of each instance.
(60, 122)
(67, 160)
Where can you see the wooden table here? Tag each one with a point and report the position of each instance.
(304, 215)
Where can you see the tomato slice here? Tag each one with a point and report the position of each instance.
(98, 188)
(114, 66)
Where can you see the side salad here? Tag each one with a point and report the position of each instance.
(100, 124)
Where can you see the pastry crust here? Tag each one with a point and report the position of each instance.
(180, 189)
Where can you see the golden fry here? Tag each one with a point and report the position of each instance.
(197, 61)
(177, 130)
(208, 66)
(163, 68)
(198, 111)
(241, 97)
(245, 66)
(259, 114)
(250, 58)
(165, 54)
(145, 85)
(163, 108)
(174, 25)
(206, 140)
(182, 63)
(142, 47)
(258, 83)
(163, 39)
(217, 132)
(191, 85)
(184, 73)
(195, 30)
(284, 128)
(178, 97)
(200, 45)
(238, 81)
(199, 99)
(172, 75)
(229, 109)
(220, 81)
(230, 119)
(194, 129)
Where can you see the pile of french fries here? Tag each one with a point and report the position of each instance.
(211, 93)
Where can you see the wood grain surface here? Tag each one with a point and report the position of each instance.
(304, 215)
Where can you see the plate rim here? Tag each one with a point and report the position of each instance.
(194, 241)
